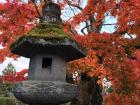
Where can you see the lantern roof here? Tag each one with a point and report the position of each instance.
(48, 38)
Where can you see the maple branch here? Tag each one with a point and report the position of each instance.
(72, 10)
(130, 36)
(99, 28)
(121, 33)
(74, 32)
(92, 20)
(82, 30)
(73, 5)
(78, 7)
(95, 28)
(36, 7)
(110, 24)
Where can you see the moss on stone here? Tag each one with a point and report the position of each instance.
(10, 101)
(48, 31)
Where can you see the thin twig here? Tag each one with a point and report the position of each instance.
(36, 7)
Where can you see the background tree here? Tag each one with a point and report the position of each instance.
(112, 55)
(10, 69)
(9, 77)
(6, 86)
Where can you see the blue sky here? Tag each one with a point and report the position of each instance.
(20, 63)
(2, 0)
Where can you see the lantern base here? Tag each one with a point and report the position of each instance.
(45, 92)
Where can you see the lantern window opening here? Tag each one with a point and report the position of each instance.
(46, 62)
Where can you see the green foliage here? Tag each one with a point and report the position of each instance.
(6, 101)
(110, 89)
(49, 32)
(5, 89)
(10, 69)
(9, 101)
(5, 86)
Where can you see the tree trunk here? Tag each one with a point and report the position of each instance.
(89, 92)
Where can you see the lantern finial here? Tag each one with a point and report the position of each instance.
(51, 12)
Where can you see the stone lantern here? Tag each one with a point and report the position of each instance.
(49, 49)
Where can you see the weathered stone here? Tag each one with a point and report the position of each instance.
(56, 72)
(30, 46)
(51, 13)
(45, 92)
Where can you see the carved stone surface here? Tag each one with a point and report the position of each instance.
(45, 92)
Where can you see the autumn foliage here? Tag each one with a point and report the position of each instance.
(15, 77)
(109, 55)
(15, 18)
